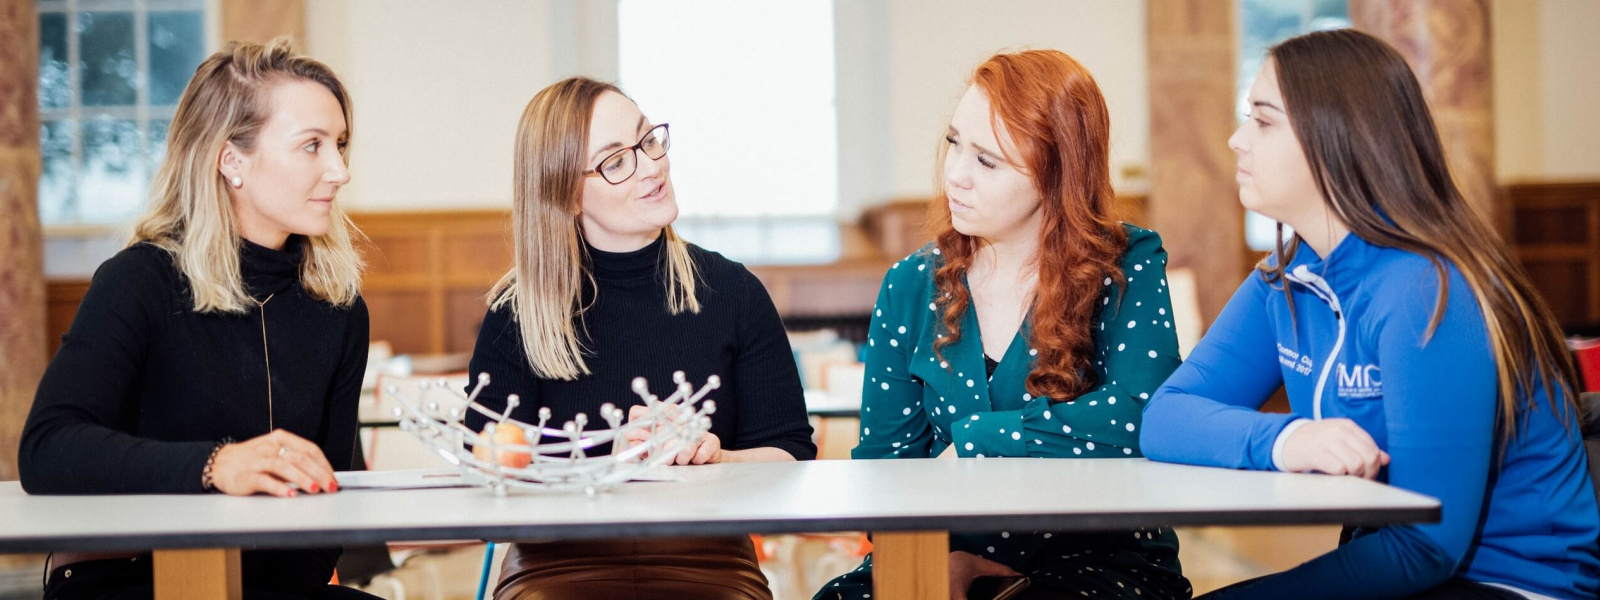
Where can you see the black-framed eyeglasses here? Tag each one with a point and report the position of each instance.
(620, 165)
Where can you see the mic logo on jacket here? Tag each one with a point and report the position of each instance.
(1360, 381)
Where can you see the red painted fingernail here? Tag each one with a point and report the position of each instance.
(313, 488)
(334, 486)
(292, 493)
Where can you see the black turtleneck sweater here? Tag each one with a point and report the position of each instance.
(144, 387)
(629, 333)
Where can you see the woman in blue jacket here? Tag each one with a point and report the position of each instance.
(1412, 346)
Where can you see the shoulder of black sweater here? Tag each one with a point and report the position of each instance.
(723, 276)
(142, 275)
(140, 265)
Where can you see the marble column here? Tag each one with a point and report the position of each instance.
(261, 20)
(22, 303)
(1447, 43)
(1193, 200)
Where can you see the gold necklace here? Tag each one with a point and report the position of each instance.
(262, 304)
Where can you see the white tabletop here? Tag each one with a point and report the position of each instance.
(883, 495)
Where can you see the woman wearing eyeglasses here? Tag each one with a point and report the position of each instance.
(603, 291)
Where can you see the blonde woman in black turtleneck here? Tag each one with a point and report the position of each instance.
(223, 350)
(604, 291)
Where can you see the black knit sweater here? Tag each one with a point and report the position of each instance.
(144, 387)
(629, 333)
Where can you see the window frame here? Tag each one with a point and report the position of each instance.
(141, 112)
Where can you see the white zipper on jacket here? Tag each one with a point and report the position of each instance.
(1320, 287)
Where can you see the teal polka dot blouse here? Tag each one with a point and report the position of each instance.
(915, 405)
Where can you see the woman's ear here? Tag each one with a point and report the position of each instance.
(231, 164)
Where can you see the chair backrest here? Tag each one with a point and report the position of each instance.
(1186, 319)
(1589, 411)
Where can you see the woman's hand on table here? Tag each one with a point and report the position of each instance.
(270, 464)
(1335, 447)
(965, 567)
(707, 451)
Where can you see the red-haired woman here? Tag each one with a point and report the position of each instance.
(1034, 325)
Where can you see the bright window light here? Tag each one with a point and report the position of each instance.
(749, 90)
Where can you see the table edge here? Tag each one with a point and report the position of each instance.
(1079, 522)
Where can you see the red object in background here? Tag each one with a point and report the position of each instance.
(1587, 351)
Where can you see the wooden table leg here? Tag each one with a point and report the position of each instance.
(911, 565)
(205, 574)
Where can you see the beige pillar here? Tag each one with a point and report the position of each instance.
(22, 324)
(1447, 43)
(261, 20)
(1194, 201)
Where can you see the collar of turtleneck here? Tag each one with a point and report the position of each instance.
(267, 271)
(627, 266)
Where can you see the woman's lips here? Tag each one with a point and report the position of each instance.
(658, 193)
(957, 206)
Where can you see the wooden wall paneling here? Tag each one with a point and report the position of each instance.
(1556, 236)
(61, 306)
(428, 273)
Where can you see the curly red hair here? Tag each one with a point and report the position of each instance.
(1057, 118)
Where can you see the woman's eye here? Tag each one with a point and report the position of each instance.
(612, 165)
(984, 160)
(313, 147)
(950, 140)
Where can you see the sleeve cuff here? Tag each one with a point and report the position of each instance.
(989, 434)
(1283, 435)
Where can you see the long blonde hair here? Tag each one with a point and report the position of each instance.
(544, 287)
(191, 215)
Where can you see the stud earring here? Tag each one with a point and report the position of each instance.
(237, 181)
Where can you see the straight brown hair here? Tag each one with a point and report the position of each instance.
(544, 287)
(1375, 155)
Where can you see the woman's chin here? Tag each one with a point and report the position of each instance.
(965, 227)
(663, 213)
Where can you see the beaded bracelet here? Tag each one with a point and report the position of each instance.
(206, 482)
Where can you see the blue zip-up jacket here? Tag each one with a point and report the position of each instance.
(1356, 349)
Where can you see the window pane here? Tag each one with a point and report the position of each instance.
(112, 177)
(176, 40)
(1264, 23)
(56, 201)
(107, 67)
(55, 90)
(157, 143)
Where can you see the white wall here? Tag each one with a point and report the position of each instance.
(935, 45)
(437, 89)
(1571, 60)
(439, 86)
(1547, 89)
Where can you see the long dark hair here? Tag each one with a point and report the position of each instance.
(1375, 155)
